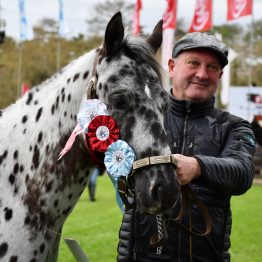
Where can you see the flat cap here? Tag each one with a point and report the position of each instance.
(202, 40)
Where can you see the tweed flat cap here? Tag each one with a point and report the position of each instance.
(202, 40)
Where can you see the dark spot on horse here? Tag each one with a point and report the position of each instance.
(35, 252)
(63, 98)
(47, 149)
(100, 86)
(106, 87)
(11, 179)
(57, 102)
(40, 136)
(26, 178)
(15, 154)
(63, 90)
(85, 75)
(3, 249)
(30, 148)
(29, 98)
(68, 80)
(55, 203)
(108, 59)
(65, 113)
(16, 168)
(59, 124)
(27, 220)
(24, 119)
(35, 159)
(48, 187)
(69, 98)
(53, 109)
(16, 189)
(150, 114)
(13, 259)
(125, 71)
(112, 79)
(66, 211)
(1, 113)
(38, 115)
(146, 153)
(42, 248)
(36, 102)
(14, 126)
(21, 169)
(156, 129)
(42, 202)
(8, 213)
(81, 179)
(3, 156)
(76, 76)
(142, 110)
(24, 131)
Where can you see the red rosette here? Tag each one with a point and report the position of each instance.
(102, 132)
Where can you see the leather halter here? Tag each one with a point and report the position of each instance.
(91, 88)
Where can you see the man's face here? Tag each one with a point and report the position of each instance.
(195, 74)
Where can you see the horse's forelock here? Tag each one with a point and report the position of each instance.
(143, 52)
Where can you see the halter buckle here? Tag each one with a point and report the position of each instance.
(91, 89)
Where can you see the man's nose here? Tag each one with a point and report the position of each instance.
(202, 72)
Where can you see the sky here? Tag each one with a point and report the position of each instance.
(77, 11)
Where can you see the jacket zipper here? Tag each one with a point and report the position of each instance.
(185, 128)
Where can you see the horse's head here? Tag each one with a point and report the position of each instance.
(129, 83)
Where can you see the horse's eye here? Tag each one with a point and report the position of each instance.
(120, 101)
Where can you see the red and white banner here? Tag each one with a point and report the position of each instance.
(202, 20)
(169, 17)
(136, 19)
(169, 25)
(24, 89)
(238, 8)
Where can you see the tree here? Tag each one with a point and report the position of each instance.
(104, 11)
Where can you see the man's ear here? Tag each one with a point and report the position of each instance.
(171, 67)
(221, 73)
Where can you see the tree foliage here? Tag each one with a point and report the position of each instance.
(103, 11)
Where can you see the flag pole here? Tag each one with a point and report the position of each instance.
(19, 71)
(250, 68)
(251, 50)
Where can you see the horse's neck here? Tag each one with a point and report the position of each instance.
(34, 130)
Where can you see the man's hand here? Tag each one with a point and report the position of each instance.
(187, 168)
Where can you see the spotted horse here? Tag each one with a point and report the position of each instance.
(37, 192)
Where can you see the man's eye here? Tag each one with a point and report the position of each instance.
(214, 68)
(193, 63)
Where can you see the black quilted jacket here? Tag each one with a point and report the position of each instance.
(224, 146)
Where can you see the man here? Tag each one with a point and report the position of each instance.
(214, 152)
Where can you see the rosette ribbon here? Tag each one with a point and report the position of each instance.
(90, 109)
(102, 132)
(119, 159)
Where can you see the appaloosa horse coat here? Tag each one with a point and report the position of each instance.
(37, 192)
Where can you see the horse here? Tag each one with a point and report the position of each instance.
(37, 192)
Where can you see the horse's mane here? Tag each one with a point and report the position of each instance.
(140, 51)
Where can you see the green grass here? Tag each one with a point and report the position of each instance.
(95, 226)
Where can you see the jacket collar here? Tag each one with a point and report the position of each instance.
(194, 109)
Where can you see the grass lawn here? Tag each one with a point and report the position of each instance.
(95, 226)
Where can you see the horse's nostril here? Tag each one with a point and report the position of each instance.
(157, 192)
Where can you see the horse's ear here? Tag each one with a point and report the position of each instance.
(155, 39)
(114, 35)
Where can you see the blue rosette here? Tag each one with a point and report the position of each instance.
(119, 159)
(90, 109)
